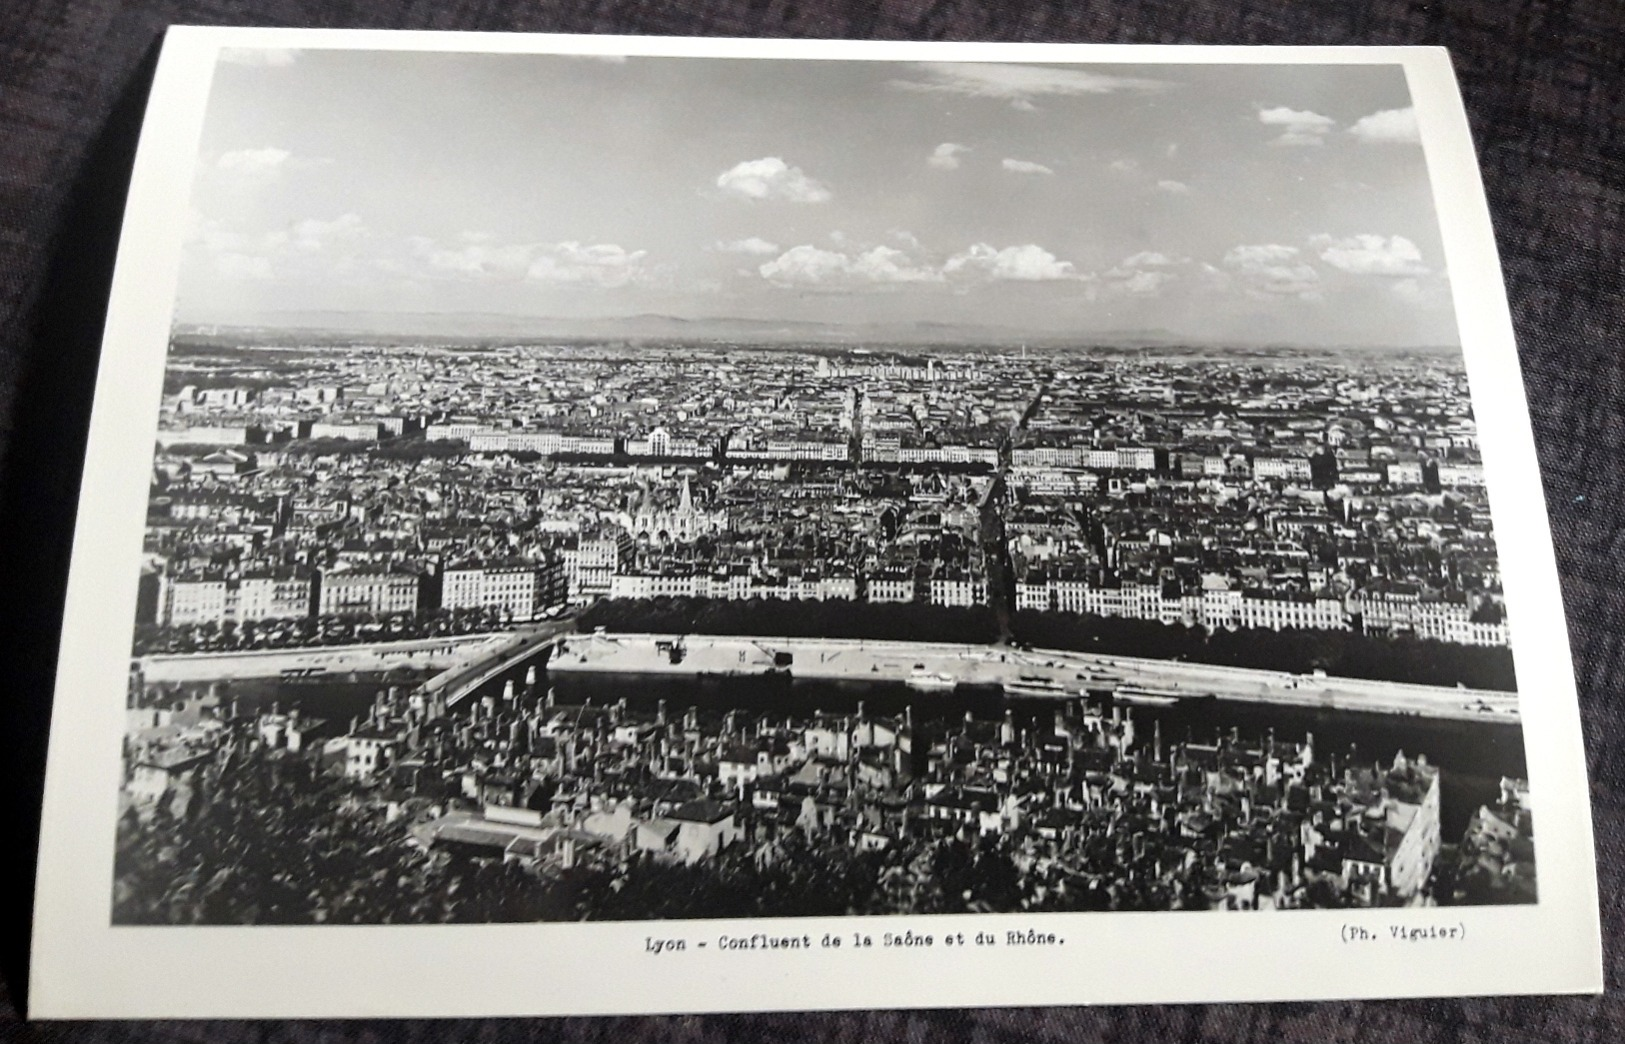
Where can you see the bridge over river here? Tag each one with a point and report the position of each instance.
(465, 662)
(314, 661)
(490, 661)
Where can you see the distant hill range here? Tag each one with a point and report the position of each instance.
(349, 327)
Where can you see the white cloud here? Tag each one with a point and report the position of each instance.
(808, 265)
(771, 178)
(805, 264)
(1214, 277)
(1025, 263)
(235, 254)
(1299, 126)
(1125, 166)
(253, 162)
(325, 249)
(603, 265)
(1389, 125)
(946, 156)
(312, 234)
(748, 245)
(266, 57)
(1017, 84)
(884, 264)
(478, 256)
(1141, 274)
(1261, 254)
(1371, 255)
(1017, 166)
(1177, 188)
(1273, 269)
(1282, 116)
(1145, 283)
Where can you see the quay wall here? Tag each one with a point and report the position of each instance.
(927, 664)
(426, 653)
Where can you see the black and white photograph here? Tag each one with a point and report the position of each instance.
(673, 489)
(650, 488)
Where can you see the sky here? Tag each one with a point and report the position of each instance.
(1215, 203)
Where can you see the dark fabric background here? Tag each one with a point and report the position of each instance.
(1548, 126)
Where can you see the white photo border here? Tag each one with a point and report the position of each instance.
(85, 967)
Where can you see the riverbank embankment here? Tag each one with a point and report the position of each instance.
(311, 661)
(1034, 673)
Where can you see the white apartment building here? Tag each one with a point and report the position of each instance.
(519, 591)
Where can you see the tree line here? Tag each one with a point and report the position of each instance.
(1343, 653)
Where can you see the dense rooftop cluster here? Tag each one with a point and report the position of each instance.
(1252, 490)
(1082, 809)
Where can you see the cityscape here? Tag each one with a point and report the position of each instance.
(506, 482)
(636, 488)
(312, 498)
